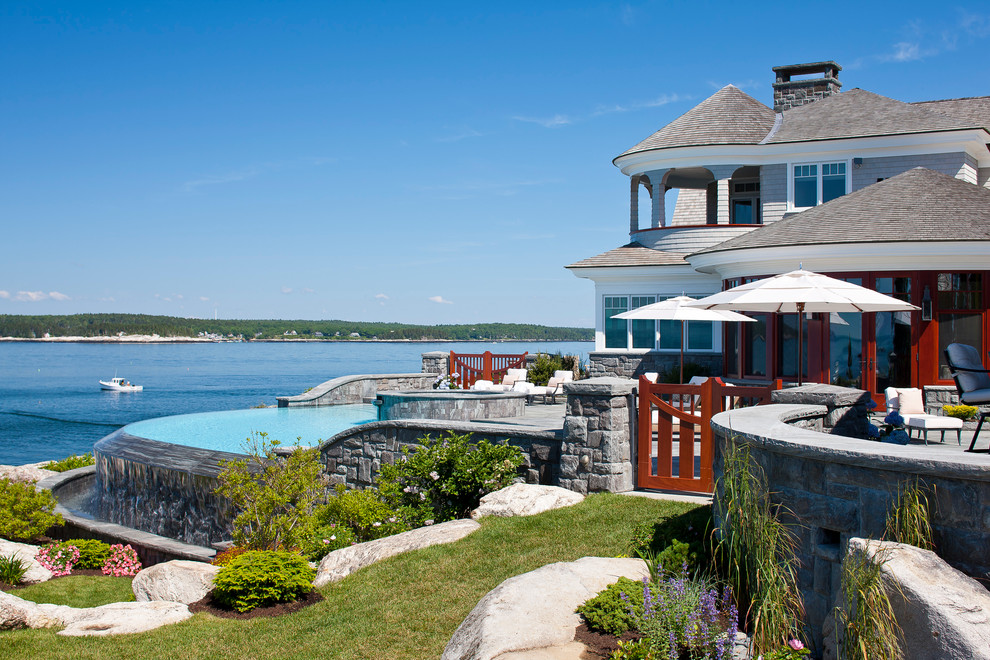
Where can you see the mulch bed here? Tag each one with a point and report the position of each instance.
(600, 646)
(208, 606)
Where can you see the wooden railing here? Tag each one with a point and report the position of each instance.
(689, 408)
(486, 366)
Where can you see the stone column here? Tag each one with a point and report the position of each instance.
(599, 428)
(435, 362)
(634, 203)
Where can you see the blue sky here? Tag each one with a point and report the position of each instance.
(382, 161)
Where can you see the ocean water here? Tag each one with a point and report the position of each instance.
(51, 404)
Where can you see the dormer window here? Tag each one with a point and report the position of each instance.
(816, 183)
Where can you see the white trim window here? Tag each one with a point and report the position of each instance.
(647, 335)
(811, 184)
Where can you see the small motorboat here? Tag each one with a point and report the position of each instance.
(120, 385)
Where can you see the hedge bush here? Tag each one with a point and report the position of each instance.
(609, 612)
(93, 554)
(259, 578)
(26, 513)
(70, 463)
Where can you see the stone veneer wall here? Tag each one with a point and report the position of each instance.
(835, 488)
(357, 389)
(450, 405)
(632, 365)
(592, 453)
(354, 457)
(436, 362)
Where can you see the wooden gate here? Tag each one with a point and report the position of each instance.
(487, 366)
(689, 408)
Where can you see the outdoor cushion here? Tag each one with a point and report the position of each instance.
(932, 422)
(910, 401)
(967, 357)
(482, 385)
(976, 397)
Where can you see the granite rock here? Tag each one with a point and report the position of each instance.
(26, 553)
(340, 563)
(535, 611)
(178, 581)
(943, 614)
(29, 473)
(112, 619)
(525, 500)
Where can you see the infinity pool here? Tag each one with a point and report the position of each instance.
(230, 430)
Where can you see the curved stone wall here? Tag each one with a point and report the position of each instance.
(459, 405)
(836, 487)
(356, 389)
(161, 488)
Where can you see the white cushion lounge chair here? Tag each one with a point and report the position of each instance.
(909, 402)
(555, 385)
(482, 385)
(512, 376)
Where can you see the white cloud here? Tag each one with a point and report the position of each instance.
(55, 295)
(287, 290)
(30, 296)
(215, 179)
(108, 299)
(381, 296)
(439, 299)
(5, 294)
(204, 298)
(552, 122)
(905, 51)
(461, 134)
(252, 171)
(308, 290)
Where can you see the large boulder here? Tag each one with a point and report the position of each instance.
(112, 619)
(178, 581)
(340, 563)
(535, 610)
(525, 500)
(26, 552)
(29, 473)
(943, 614)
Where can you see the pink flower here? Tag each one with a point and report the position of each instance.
(795, 644)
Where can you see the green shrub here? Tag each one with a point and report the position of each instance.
(865, 625)
(363, 512)
(693, 529)
(262, 578)
(93, 554)
(70, 463)
(12, 569)
(962, 411)
(26, 513)
(273, 495)
(545, 364)
(609, 612)
(324, 539)
(444, 479)
(224, 557)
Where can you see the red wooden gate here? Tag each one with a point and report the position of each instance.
(488, 366)
(692, 406)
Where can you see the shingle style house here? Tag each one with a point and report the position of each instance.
(891, 195)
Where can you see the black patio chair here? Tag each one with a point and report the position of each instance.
(972, 381)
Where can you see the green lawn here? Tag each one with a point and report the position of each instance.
(403, 608)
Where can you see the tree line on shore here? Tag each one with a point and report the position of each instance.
(108, 325)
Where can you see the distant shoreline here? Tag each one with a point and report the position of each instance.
(155, 339)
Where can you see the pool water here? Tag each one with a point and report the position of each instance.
(231, 430)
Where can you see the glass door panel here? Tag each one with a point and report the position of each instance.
(845, 349)
(892, 338)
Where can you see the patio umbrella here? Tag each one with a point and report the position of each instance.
(676, 309)
(801, 291)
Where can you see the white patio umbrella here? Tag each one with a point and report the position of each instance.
(676, 309)
(801, 291)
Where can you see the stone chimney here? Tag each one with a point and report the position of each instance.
(789, 93)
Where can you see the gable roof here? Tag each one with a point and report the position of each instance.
(859, 113)
(974, 110)
(631, 254)
(917, 205)
(729, 116)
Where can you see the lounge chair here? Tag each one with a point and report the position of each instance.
(512, 376)
(909, 402)
(482, 385)
(972, 381)
(555, 385)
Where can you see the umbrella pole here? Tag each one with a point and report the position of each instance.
(682, 352)
(800, 307)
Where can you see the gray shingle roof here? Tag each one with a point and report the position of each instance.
(729, 116)
(859, 113)
(974, 110)
(633, 254)
(917, 205)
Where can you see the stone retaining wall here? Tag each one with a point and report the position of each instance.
(835, 488)
(460, 405)
(357, 389)
(632, 365)
(354, 457)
